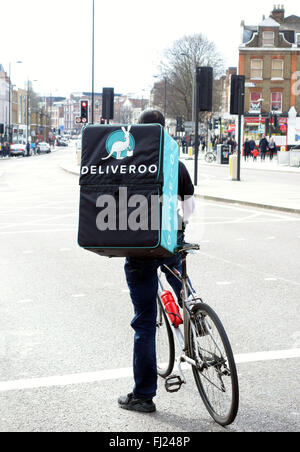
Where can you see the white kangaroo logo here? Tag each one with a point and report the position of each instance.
(120, 146)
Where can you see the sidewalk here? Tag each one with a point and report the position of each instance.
(278, 195)
(266, 165)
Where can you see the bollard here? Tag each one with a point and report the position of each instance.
(233, 167)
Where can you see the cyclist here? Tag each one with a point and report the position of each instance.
(142, 280)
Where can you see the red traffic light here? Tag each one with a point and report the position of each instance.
(84, 104)
(102, 121)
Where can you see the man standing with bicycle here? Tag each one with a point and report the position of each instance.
(142, 280)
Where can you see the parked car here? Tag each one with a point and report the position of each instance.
(18, 149)
(296, 148)
(43, 147)
(61, 142)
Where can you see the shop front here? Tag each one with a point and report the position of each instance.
(256, 127)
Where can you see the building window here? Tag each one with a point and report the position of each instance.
(257, 69)
(268, 38)
(277, 69)
(276, 102)
(254, 102)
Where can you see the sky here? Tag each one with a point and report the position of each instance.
(53, 39)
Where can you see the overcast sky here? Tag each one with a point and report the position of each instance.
(53, 38)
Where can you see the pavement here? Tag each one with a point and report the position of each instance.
(253, 190)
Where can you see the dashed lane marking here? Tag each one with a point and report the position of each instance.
(119, 374)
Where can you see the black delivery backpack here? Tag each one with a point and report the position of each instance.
(128, 191)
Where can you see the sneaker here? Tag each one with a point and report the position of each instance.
(131, 403)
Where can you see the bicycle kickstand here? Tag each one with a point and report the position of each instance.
(174, 382)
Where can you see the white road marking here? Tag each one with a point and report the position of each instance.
(224, 283)
(240, 240)
(227, 261)
(270, 279)
(24, 301)
(37, 231)
(271, 238)
(79, 295)
(118, 374)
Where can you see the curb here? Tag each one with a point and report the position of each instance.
(217, 165)
(223, 200)
(249, 204)
(70, 171)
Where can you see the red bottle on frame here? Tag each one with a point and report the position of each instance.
(171, 308)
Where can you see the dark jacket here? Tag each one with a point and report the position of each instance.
(252, 145)
(263, 145)
(247, 147)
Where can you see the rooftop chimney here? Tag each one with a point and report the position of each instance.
(278, 13)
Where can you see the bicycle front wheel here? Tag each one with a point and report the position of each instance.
(165, 347)
(215, 375)
(209, 158)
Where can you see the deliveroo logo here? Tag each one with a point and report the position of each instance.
(120, 144)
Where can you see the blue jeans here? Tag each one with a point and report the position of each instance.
(142, 280)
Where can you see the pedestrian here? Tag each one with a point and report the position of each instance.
(252, 145)
(263, 147)
(142, 280)
(28, 147)
(272, 148)
(255, 154)
(247, 149)
(6, 149)
(33, 147)
(231, 143)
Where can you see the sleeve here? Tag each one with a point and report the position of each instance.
(185, 184)
(186, 192)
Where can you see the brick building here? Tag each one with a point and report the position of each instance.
(269, 57)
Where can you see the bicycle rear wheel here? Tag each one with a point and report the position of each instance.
(165, 347)
(216, 378)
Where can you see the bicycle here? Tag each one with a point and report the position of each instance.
(210, 157)
(203, 344)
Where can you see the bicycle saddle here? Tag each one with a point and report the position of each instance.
(186, 247)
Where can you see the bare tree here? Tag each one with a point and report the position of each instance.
(178, 68)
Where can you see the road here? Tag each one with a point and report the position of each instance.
(65, 339)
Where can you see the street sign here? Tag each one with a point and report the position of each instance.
(250, 85)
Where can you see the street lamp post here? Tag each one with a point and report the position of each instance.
(93, 62)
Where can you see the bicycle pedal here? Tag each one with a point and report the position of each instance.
(173, 383)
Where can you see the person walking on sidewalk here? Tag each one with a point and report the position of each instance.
(263, 147)
(255, 154)
(28, 147)
(247, 149)
(272, 148)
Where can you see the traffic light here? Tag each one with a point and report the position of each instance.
(102, 120)
(84, 111)
(108, 96)
(179, 124)
(205, 88)
(237, 95)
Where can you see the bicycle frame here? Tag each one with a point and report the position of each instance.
(182, 337)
